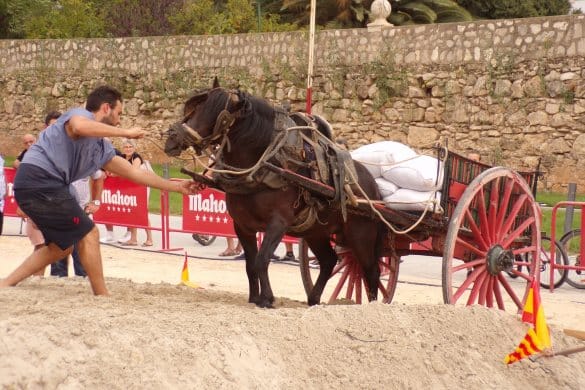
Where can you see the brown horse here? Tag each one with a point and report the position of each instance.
(241, 128)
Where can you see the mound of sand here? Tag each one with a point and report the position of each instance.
(55, 334)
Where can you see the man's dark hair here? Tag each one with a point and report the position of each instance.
(100, 95)
(51, 115)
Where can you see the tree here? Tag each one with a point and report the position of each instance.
(502, 9)
(226, 17)
(193, 18)
(130, 18)
(65, 19)
(4, 17)
(18, 11)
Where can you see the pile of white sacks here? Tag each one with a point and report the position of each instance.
(407, 180)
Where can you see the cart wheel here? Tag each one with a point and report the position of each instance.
(347, 275)
(571, 244)
(203, 239)
(494, 229)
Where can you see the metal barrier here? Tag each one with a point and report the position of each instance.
(581, 253)
(125, 203)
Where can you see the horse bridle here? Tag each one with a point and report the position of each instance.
(223, 122)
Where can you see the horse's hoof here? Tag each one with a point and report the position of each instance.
(311, 301)
(265, 304)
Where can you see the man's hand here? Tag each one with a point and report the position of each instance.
(189, 187)
(135, 132)
(91, 208)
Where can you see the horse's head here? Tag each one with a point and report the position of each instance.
(207, 117)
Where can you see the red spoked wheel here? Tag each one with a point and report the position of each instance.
(347, 276)
(494, 229)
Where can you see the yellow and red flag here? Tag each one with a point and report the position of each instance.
(185, 275)
(538, 338)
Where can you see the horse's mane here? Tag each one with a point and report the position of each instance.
(256, 124)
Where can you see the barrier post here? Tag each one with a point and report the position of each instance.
(571, 196)
(164, 210)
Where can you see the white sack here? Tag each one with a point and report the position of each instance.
(379, 154)
(386, 188)
(419, 173)
(405, 199)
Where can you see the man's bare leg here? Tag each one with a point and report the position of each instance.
(37, 261)
(40, 272)
(91, 259)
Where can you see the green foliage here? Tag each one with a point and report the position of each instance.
(427, 11)
(18, 11)
(241, 16)
(501, 9)
(133, 18)
(200, 17)
(66, 19)
(4, 20)
(193, 18)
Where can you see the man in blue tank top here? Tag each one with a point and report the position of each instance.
(70, 149)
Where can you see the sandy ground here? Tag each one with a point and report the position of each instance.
(152, 333)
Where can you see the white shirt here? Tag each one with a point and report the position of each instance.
(80, 188)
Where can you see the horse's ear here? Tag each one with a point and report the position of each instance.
(215, 82)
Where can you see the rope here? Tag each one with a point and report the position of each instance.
(270, 151)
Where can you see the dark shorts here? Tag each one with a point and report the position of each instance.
(56, 213)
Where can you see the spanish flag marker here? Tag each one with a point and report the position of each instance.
(185, 274)
(538, 338)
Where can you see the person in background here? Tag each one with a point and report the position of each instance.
(70, 149)
(136, 160)
(32, 232)
(109, 237)
(289, 256)
(2, 192)
(27, 140)
(232, 249)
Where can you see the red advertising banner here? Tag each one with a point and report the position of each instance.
(206, 213)
(9, 201)
(123, 203)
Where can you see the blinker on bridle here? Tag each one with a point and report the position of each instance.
(224, 121)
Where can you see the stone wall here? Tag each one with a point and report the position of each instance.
(511, 89)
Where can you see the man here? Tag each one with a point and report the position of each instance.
(32, 232)
(27, 140)
(70, 149)
(2, 192)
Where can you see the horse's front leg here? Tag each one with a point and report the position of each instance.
(248, 242)
(272, 237)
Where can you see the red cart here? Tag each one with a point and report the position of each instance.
(489, 229)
